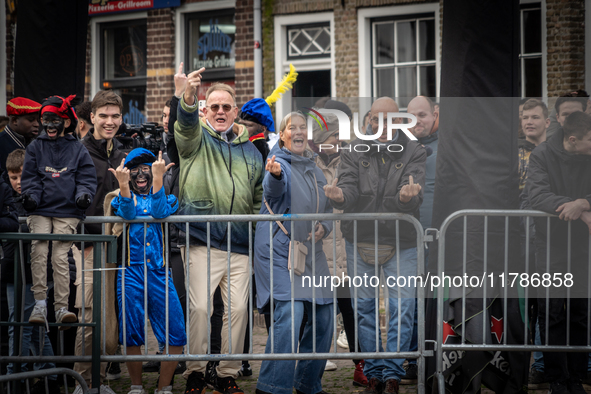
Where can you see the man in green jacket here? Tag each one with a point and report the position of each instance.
(221, 173)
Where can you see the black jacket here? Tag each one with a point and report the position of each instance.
(57, 172)
(106, 181)
(555, 177)
(371, 182)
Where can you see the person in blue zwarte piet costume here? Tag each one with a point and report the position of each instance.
(141, 193)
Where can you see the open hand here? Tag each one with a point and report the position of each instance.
(572, 210)
(193, 82)
(409, 191)
(334, 192)
(273, 167)
(159, 167)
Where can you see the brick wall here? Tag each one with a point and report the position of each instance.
(9, 59)
(566, 46)
(244, 78)
(160, 61)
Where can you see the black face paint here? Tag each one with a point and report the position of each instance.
(140, 176)
(53, 126)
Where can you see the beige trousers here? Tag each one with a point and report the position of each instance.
(84, 334)
(238, 282)
(59, 257)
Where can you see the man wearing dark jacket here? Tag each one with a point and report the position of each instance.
(104, 151)
(22, 127)
(374, 177)
(558, 183)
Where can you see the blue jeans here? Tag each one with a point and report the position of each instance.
(281, 376)
(538, 356)
(384, 369)
(30, 345)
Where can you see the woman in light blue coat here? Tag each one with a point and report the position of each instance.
(293, 185)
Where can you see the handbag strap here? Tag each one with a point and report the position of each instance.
(276, 221)
(281, 224)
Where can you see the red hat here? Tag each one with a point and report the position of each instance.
(22, 106)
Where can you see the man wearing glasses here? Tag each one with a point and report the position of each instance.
(221, 174)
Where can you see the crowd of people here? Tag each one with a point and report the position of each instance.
(222, 160)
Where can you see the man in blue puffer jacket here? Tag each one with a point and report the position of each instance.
(58, 184)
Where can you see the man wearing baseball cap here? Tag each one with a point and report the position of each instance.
(22, 127)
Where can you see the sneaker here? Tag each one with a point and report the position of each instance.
(114, 371)
(152, 366)
(537, 380)
(374, 386)
(211, 374)
(558, 388)
(63, 315)
(575, 386)
(245, 370)
(411, 374)
(164, 390)
(53, 387)
(180, 368)
(195, 383)
(330, 366)
(359, 378)
(104, 389)
(391, 387)
(342, 340)
(136, 390)
(39, 316)
(227, 385)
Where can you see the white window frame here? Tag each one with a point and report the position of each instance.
(95, 41)
(281, 22)
(544, 52)
(364, 33)
(179, 29)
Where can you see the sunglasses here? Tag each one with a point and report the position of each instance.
(216, 107)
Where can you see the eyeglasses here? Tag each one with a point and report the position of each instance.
(135, 171)
(216, 107)
(376, 120)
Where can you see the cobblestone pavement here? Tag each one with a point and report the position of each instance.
(333, 382)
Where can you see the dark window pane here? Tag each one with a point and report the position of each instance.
(125, 51)
(134, 104)
(385, 43)
(427, 83)
(427, 40)
(406, 40)
(532, 31)
(407, 85)
(211, 42)
(384, 82)
(533, 77)
(323, 40)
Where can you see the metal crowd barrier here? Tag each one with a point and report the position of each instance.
(99, 281)
(99, 241)
(420, 354)
(441, 347)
